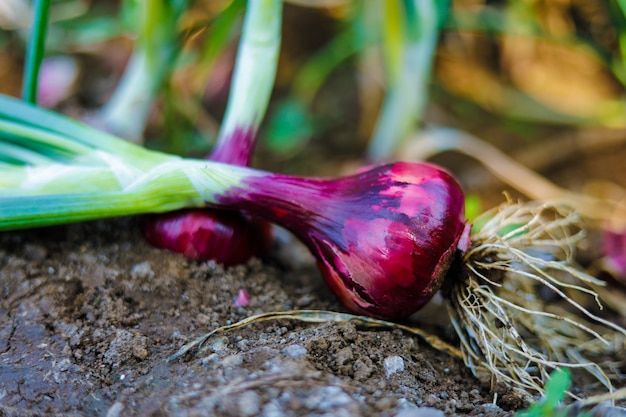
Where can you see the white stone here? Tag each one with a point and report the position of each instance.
(393, 364)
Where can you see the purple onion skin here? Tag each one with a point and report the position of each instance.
(383, 238)
(226, 237)
(236, 149)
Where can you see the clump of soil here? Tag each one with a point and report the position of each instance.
(90, 314)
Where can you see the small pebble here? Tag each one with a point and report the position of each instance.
(431, 400)
(385, 403)
(420, 412)
(273, 409)
(63, 365)
(232, 361)
(294, 351)
(464, 407)
(327, 398)
(140, 352)
(210, 359)
(243, 345)
(393, 364)
(249, 404)
(115, 410)
(142, 270)
(217, 344)
(304, 301)
(490, 407)
(35, 253)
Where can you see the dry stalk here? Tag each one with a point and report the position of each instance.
(608, 212)
(522, 308)
(318, 316)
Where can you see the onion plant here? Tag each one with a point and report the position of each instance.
(225, 237)
(230, 237)
(386, 239)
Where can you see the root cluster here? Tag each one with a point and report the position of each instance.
(522, 307)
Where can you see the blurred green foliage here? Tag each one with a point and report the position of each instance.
(500, 56)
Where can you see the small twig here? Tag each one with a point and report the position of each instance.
(321, 316)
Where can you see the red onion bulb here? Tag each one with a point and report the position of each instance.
(383, 238)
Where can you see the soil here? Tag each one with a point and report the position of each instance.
(91, 313)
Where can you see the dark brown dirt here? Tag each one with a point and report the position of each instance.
(90, 313)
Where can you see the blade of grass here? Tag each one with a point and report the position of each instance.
(35, 51)
(292, 123)
(318, 316)
(219, 33)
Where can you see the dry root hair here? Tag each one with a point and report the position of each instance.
(521, 307)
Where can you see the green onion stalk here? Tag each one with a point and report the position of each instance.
(253, 82)
(150, 65)
(73, 170)
(410, 30)
(230, 237)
